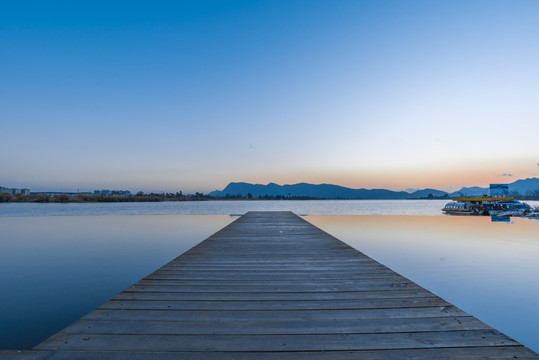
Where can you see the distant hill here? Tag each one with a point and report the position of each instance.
(470, 191)
(323, 191)
(523, 187)
(426, 192)
(329, 191)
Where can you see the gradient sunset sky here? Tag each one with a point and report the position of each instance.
(190, 95)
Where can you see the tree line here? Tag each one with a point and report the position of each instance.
(139, 197)
(530, 195)
(179, 196)
(83, 198)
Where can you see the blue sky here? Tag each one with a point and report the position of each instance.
(189, 95)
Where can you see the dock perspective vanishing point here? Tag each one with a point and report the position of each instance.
(272, 286)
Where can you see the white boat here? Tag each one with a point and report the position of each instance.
(459, 208)
(534, 214)
(498, 204)
(488, 206)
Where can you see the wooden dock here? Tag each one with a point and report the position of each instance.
(272, 286)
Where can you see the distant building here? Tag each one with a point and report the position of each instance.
(55, 193)
(58, 193)
(14, 191)
(499, 190)
(26, 192)
(112, 192)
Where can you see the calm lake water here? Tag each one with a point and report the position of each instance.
(326, 207)
(56, 267)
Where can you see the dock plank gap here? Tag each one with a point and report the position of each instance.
(272, 286)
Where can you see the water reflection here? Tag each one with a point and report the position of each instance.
(488, 269)
(53, 270)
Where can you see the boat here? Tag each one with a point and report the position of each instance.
(488, 206)
(534, 214)
(460, 208)
(498, 204)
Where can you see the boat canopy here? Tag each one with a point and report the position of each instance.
(457, 206)
(482, 198)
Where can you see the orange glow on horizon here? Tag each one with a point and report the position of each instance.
(448, 177)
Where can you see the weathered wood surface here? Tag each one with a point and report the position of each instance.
(272, 286)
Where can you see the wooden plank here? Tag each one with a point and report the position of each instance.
(272, 304)
(272, 326)
(272, 286)
(347, 295)
(364, 286)
(290, 342)
(291, 266)
(265, 315)
(465, 353)
(297, 283)
(242, 276)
